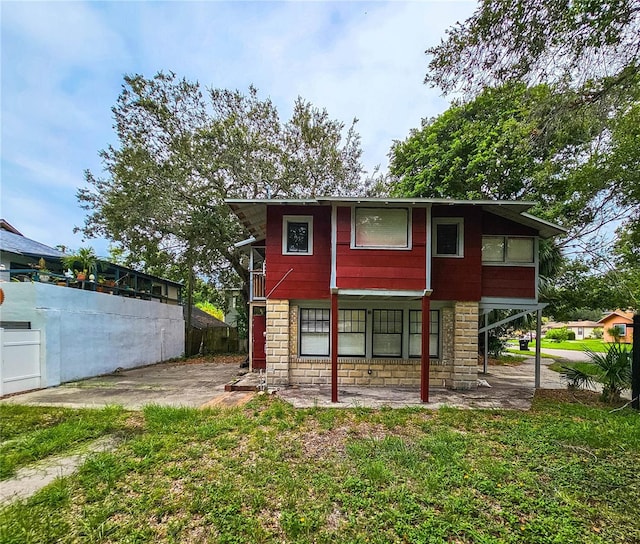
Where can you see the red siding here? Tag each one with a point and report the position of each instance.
(509, 281)
(460, 278)
(381, 268)
(311, 274)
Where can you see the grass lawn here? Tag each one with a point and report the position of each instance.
(572, 345)
(32, 433)
(563, 472)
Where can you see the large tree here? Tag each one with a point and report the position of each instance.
(497, 146)
(587, 44)
(587, 51)
(181, 151)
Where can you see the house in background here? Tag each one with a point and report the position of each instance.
(582, 329)
(621, 320)
(384, 292)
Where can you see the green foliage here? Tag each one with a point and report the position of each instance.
(597, 333)
(558, 335)
(611, 369)
(84, 259)
(269, 473)
(585, 43)
(496, 346)
(587, 54)
(45, 432)
(209, 308)
(180, 153)
(571, 335)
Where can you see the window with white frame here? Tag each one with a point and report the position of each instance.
(297, 235)
(507, 250)
(415, 333)
(448, 237)
(314, 331)
(352, 332)
(384, 228)
(621, 328)
(387, 333)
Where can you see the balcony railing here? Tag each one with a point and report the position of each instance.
(258, 285)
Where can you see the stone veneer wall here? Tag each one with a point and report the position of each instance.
(456, 368)
(384, 372)
(465, 367)
(277, 342)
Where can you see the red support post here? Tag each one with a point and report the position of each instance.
(424, 366)
(334, 347)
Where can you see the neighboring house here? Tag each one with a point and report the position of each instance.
(383, 292)
(582, 329)
(17, 252)
(621, 320)
(51, 334)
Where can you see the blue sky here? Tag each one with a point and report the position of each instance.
(63, 64)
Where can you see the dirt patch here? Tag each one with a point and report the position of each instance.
(224, 359)
(574, 396)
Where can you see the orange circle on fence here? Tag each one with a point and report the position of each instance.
(1, 296)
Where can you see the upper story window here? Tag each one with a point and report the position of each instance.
(507, 250)
(448, 237)
(381, 228)
(297, 235)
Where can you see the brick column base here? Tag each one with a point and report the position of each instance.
(277, 342)
(465, 358)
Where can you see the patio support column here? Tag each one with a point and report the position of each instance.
(538, 344)
(424, 362)
(334, 347)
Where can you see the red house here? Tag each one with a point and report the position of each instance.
(381, 292)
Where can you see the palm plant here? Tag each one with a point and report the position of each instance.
(612, 369)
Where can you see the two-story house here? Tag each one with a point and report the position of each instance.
(367, 291)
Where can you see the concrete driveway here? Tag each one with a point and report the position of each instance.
(200, 383)
(192, 383)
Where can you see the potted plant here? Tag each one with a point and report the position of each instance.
(43, 271)
(86, 260)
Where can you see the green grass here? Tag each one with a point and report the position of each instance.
(584, 366)
(32, 433)
(572, 345)
(269, 473)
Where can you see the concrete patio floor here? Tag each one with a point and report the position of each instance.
(512, 387)
(189, 383)
(201, 384)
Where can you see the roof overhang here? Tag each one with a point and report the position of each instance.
(253, 212)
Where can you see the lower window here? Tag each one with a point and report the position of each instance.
(415, 333)
(352, 332)
(387, 333)
(314, 331)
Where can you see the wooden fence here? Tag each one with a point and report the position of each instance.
(211, 341)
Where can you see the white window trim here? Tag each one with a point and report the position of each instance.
(448, 221)
(369, 306)
(387, 248)
(512, 263)
(618, 326)
(297, 219)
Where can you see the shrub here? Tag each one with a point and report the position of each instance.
(558, 335)
(612, 369)
(571, 335)
(496, 346)
(597, 333)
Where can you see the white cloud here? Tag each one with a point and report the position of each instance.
(62, 67)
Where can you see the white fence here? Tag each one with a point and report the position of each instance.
(20, 358)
